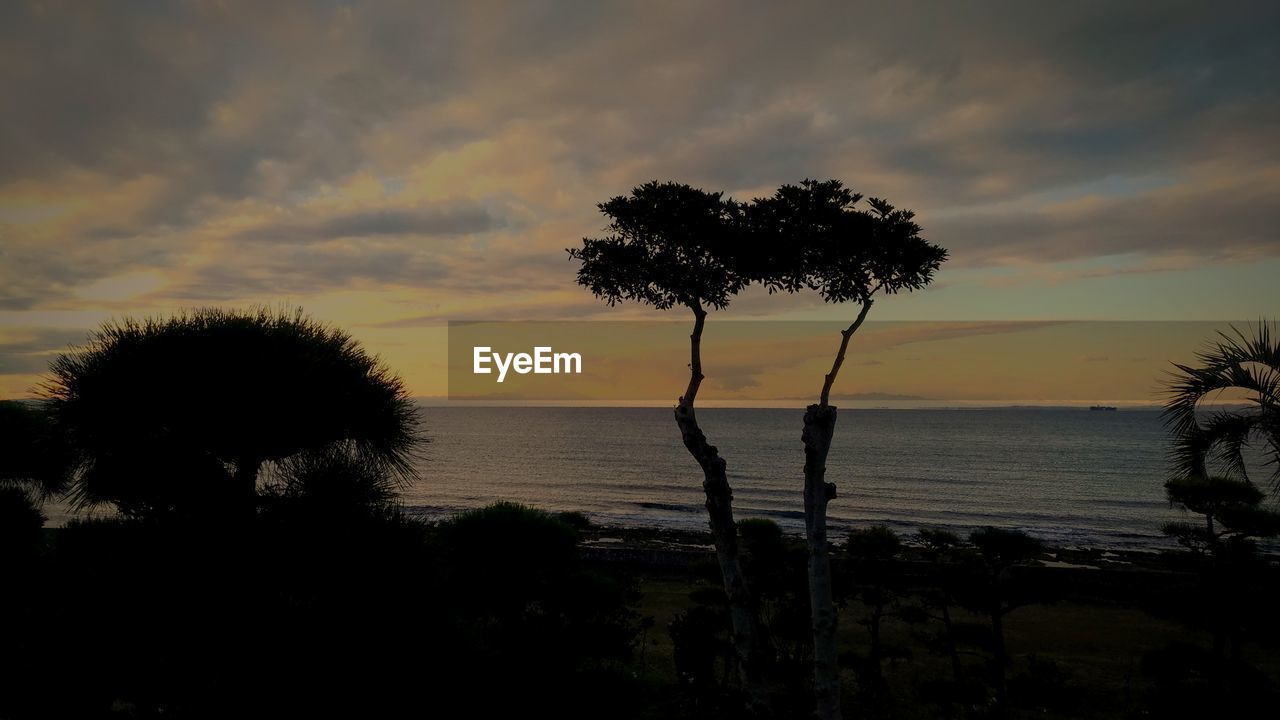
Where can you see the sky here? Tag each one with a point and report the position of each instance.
(783, 363)
(391, 166)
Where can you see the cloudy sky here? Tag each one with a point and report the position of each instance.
(390, 166)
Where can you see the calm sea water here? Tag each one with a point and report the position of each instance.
(1071, 477)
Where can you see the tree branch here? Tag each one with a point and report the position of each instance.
(695, 355)
(844, 346)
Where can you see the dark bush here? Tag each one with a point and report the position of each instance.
(20, 523)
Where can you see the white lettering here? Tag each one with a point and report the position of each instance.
(574, 358)
(543, 361)
(502, 366)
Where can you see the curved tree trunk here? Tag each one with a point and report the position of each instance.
(724, 531)
(819, 426)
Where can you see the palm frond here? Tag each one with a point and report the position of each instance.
(1230, 433)
(1240, 361)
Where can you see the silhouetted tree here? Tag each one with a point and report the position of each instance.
(698, 642)
(952, 577)
(996, 593)
(543, 632)
(33, 468)
(668, 246)
(1231, 508)
(1230, 570)
(331, 482)
(182, 412)
(29, 472)
(939, 547)
(873, 552)
(814, 235)
(1242, 363)
(774, 565)
(34, 454)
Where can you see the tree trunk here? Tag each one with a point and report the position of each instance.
(724, 531)
(819, 424)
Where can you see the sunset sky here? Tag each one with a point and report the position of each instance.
(393, 166)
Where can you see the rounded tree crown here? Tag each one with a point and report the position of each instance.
(666, 247)
(217, 386)
(816, 235)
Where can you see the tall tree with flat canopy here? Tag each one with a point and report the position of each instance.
(815, 235)
(179, 414)
(667, 247)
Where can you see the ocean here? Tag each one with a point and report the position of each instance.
(1072, 477)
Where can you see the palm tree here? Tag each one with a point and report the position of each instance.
(1238, 362)
(1230, 503)
(182, 412)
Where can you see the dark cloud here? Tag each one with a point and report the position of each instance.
(296, 270)
(205, 94)
(36, 268)
(1071, 83)
(1227, 219)
(988, 118)
(31, 350)
(446, 222)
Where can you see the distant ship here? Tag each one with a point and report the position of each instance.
(1102, 407)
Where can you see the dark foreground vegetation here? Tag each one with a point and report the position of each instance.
(1109, 646)
(253, 561)
(314, 610)
(323, 608)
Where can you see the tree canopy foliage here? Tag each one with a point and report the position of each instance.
(671, 244)
(667, 245)
(1238, 361)
(34, 457)
(1232, 509)
(817, 235)
(157, 410)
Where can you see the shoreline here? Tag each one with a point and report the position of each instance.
(687, 522)
(669, 548)
(666, 546)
